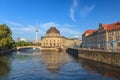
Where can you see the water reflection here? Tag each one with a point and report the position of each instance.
(93, 67)
(5, 65)
(54, 60)
(32, 64)
(29, 51)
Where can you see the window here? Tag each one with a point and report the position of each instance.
(50, 44)
(58, 44)
(110, 38)
(117, 32)
(109, 33)
(118, 44)
(113, 32)
(117, 37)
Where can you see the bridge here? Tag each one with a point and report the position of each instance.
(39, 47)
(22, 47)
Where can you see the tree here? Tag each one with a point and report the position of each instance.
(23, 43)
(6, 40)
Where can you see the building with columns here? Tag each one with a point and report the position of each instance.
(53, 39)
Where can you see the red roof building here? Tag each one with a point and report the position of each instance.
(89, 32)
(103, 38)
(112, 26)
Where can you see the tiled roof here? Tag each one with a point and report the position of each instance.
(90, 31)
(108, 27)
(112, 26)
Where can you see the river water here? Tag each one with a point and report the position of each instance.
(30, 64)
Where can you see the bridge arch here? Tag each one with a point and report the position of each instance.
(22, 47)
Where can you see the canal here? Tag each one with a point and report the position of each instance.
(29, 64)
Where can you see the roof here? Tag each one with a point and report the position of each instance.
(89, 31)
(52, 30)
(108, 27)
(112, 26)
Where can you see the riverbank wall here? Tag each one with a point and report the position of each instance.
(111, 58)
(73, 52)
(3, 51)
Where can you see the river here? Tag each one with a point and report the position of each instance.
(30, 64)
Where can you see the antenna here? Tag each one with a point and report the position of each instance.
(36, 31)
(36, 26)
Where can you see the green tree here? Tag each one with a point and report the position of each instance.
(6, 40)
(23, 43)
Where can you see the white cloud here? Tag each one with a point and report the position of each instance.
(72, 9)
(19, 28)
(24, 30)
(77, 36)
(69, 31)
(65, 29)
(68, 25)
(86, 10)
(47, 25)
(14, 23)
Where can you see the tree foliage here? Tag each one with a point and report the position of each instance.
(23, 43)
(6, 40)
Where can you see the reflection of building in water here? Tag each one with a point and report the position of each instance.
(54, 60)
(52, 39)
(104, 69)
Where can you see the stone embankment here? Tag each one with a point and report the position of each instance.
(111, 58)
(2, 51)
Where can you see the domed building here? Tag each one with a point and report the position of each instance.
(52, 38)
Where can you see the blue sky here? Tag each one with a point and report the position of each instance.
(71, 17)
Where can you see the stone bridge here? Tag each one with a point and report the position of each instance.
(22, 47)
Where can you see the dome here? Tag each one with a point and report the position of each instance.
(53, 30)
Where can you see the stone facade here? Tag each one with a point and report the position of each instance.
(106, 37)
(53, 39)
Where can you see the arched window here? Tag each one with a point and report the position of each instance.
(50, 44)
(54, 44)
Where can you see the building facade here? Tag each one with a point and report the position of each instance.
(53, 39)
(106, 37)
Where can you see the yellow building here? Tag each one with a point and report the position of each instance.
(53, 39)
(106, 37)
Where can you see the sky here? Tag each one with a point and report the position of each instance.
(71, 17)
